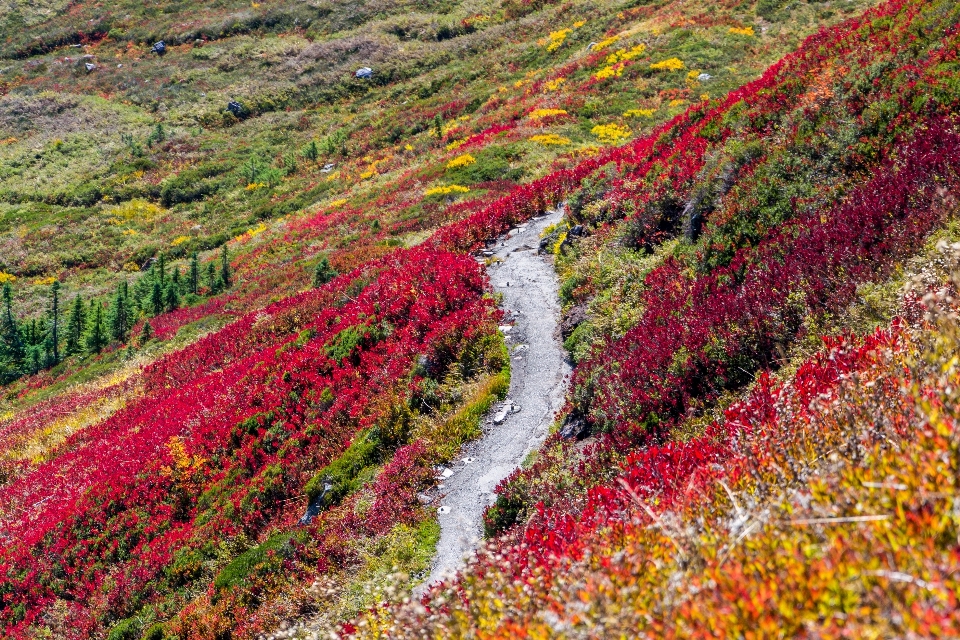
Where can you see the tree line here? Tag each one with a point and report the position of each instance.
(27, 347)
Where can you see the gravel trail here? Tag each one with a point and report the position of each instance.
(538, 383)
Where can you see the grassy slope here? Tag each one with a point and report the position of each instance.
(79, 203)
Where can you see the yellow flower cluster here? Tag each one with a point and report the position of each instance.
(553, 85)
(253, 186)
(336, 204)
(7, 278)
(250, 233)
(623, 55)
(670, 64)
(678, 102)
(461, 161)
(556, 39)
(447, 190)
(548, 139)
(611, 133)
(44, 281)
(637, 113)
(603, 44)
(136, 208)
(741, 31)
(546, 113)
(179, 240)
(456, 144)
(609, 72)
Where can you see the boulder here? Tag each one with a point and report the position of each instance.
(575, 428)
(159, 48)
(572, 318)
(364, 73)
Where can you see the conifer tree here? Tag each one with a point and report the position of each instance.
(161, 274)
(193, 276)
(54, 346)
(96, 338)
(75, 325)
(212, 281)
(324, 273)
(146, 333)
(176, 277)
(156, 299)
(225, 268)
(171, 299)
(11, 340)
(120, 318)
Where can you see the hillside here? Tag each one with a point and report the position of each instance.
(248, 316)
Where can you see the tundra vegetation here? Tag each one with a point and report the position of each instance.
(241, 324)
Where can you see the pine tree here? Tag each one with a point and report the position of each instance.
(324, 273)
(11, 341)
(161, 274)
(156, 299)
(120, 318)
(75, 325)
(212, 281)
(193, 276)
(146, 333)
(96, 338)
(54, 349)
(225, 268)
(171, 299)
(176, 278)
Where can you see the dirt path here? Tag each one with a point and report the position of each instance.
(538, 384)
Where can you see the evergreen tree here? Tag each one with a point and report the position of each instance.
(176, 278)
(225, 268)
(324, 273)
(120, 318)
(75, 325)
(11, 341)
(193, 276)
(146, 333)
(171, 299)
(156, 299)
(161, 273)
(54, 336)
(96, 338)
(212, 282)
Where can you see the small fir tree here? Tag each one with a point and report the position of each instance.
(225, 268)
(323, 273)
(193, 276)
(96, 338)
(75, 324)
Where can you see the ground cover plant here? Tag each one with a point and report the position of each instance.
(240, 322)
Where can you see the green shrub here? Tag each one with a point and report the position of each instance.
(128, 629)
(342, 474)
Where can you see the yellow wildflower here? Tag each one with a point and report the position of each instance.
(461, 161)
(556, 39)
(546, 113)
(336, 204)
(741, 31)
(636, 113)
(611, 133)
(670, 64)
(548, 139)
(446, 190)
(179, 240)
(603, 44)
(7, 278)
(553, 85)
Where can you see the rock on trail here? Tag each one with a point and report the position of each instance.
(538, 382)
